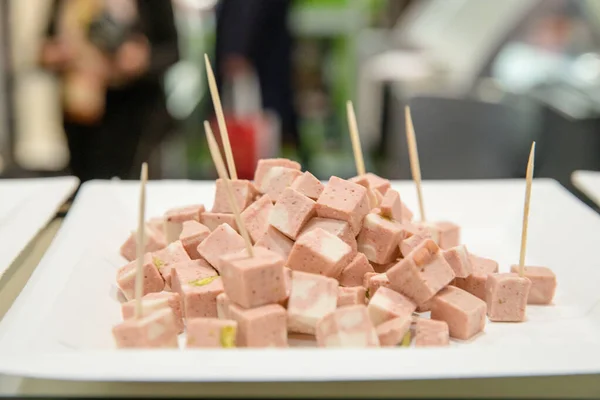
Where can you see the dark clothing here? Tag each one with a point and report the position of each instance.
(258, 31)
(136, 118)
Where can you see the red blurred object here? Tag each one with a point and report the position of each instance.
(244, 136)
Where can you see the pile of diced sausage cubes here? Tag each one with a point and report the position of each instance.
(342, 262)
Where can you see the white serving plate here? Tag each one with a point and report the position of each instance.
(589, 183)
(60, 326)
(26, 206)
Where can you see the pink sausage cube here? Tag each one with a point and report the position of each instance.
(387, 304)
(543, 284)
(391, 332)
(379, 239)
(345, 201)
(158, 224)
(153, 238)
(264, 326)
(381, 268)
(199, 296)
(213, 220)
(475, 283)
(256, 217)
(351, 295)
(431, 333)
(211, 332)
(243, 194)
(336, 227)
(175, 217)
(375, 282)
(347, 326)
(506, 297)
(308, 185)
(445, 234)
(291, 212)
(353, 273)
(375, 182)
(265, 165)
(189, 271)
(311, 298)
(155, 301)
(276, 180)
(153, 280)
(223, 240)
(411, 242)
(391, 206)
(277, 242)
(463, 312)
(174, 253)
(156, 330)
(458, 258)
(422, 274)
(192, 234)
(320, 252)
(223, 304)
(253, 281)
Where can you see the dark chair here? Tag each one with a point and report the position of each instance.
(459, 139)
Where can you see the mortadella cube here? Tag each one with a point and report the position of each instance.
(463, 312)
(336, 227)
(311, 298)
(345, 201)
(277, 242)
(391, 206)
(153, 280)
(264, 326)
(375, 281)
(391, 332)
(375, 182)
(445, 234)
(254, 281)
(422, 274)
(291, 212)
(192, 234)
(431, 333)
(213, 220)
(155, 240)
(223, 240)
(190, 271)
(320, 252)
(256, 217)
(156, 330)
(264, 166)
(387, 304)
(347, 326)
(458, 258)
(211, 332)
(174, 253)
(543, 284)
(506, 297)
(276, 180)
(155, 301)
(243, 195)
(175, 217)
(351, 295)
(354, 273)
(475, 283)
(199, 296)
(379, 239)
(411, 242)
(308, 185)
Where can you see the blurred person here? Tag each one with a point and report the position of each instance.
(253, 35)
(110, 56)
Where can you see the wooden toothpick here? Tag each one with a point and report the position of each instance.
(141, 245)
(529, 179)
(414, 159)
(220, 166)
(358, 155)
(214, 93)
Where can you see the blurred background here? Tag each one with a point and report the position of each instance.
(93, 87)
